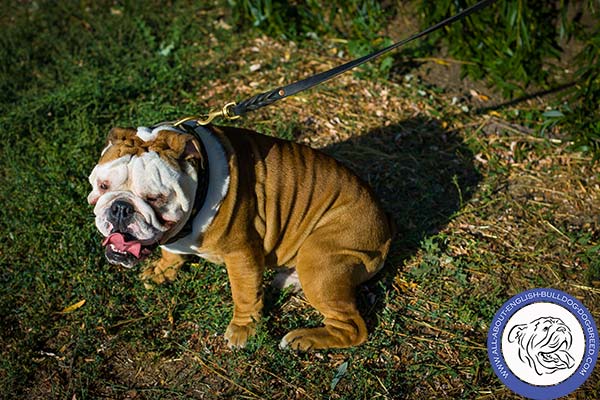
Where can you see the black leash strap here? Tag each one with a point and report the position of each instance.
(233, 110)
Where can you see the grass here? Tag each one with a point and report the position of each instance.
(485, 209)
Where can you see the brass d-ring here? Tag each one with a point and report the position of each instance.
(227, 111)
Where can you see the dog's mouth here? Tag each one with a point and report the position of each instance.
(123, 249)
(558, 358)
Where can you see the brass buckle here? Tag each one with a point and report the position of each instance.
(207, 118)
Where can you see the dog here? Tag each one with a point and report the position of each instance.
(249, 201)
(544, 344)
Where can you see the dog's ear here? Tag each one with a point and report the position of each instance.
(192, 151)
(120, 142)
(516, 333)
(182, 146)
(120, 135)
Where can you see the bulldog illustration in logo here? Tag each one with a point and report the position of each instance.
(544, 344)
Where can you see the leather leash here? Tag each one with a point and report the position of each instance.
(234, 110)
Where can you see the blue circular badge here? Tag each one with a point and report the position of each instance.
(542, 344)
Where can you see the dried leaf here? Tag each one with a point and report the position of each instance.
(73, 307)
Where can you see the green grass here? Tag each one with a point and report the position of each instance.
(484, 210)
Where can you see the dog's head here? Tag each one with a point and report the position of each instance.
(143, 189)
(544, 344)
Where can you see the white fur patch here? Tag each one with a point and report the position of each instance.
(218, 185)
(287, 278)
(147, 134)
(283, 344)
(114, 172)
(133, 178)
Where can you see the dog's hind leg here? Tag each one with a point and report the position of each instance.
(329, 282)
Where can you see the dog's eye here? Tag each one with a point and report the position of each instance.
(103, 186)
(154, 198)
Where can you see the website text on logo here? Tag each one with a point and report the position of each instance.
(542, 343)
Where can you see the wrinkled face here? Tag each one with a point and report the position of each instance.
(142, 190)
(545, 344)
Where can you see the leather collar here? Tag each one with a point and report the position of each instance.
(202, 188)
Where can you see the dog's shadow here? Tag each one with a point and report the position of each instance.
(422, 175)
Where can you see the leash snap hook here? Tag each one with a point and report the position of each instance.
(206, 119)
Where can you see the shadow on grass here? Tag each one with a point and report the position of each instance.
(516, 101)
(422, 174)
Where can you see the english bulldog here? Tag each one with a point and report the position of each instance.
(251, 202)
(544, 344)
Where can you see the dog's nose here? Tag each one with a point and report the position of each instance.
(120, 214)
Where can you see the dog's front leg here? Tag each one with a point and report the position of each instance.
(245, 270)
(163, 269)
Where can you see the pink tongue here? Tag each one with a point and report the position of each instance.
(118, 240)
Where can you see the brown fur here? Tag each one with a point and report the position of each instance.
(289, 205)
(172, 146)
(165, 269)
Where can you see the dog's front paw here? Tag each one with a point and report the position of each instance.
(160, 272)
(237, 335)
(164, 269)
